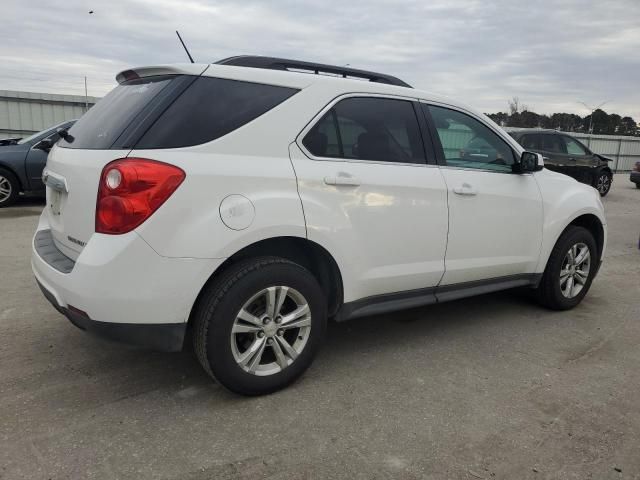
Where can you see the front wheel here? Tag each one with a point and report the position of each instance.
(602, 182)
(570, 270)
(9, 188)
(258, 327)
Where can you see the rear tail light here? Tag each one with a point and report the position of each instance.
(130, 190)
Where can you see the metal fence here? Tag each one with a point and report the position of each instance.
(24, 113)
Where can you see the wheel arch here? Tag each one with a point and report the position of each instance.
(593, 224)
(10, 169)
(302, 251)
(587, 220)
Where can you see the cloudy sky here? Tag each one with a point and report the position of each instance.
(549, 53)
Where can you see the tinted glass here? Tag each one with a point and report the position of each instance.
(530, 142)
(44, 133)
(573, 147)
(209, 109)
(379, 129)
(468, 143)
(552, 143)
(322, 139)
(106, 120)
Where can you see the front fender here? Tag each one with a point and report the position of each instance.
(564, 201)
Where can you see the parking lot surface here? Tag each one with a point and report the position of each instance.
(488, 387)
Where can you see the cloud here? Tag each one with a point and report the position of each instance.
(550, 53)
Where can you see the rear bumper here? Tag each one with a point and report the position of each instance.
(168, 337)
(635, 177)
(120, 288)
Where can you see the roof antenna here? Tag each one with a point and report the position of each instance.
(185, 47)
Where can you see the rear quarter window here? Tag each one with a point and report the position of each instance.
(209, 109)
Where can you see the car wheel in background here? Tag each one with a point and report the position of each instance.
(570, 270)
(602, 182)
(9, 188)
(259, 325)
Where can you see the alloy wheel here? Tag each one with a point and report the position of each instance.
(5, 188)
(574, 272)
(271, 330)
(603, 184)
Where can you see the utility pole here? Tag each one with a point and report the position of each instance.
(593, 109)
(86, 98)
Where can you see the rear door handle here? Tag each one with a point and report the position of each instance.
(465, 189)
(342, 180)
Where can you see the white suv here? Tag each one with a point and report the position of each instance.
(247, 202)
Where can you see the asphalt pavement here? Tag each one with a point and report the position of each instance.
(488, 387)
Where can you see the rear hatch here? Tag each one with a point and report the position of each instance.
(108, 131)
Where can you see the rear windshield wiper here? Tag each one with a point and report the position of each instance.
(64, 134)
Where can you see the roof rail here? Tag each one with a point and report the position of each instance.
(271, 63)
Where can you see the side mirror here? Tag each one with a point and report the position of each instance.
(45, 144)
(531, 162)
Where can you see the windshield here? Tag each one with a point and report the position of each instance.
(43, 133)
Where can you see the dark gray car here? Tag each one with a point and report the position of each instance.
(565, 154)
(22, 162)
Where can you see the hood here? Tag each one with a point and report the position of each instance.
(8, 149)
(604, 159)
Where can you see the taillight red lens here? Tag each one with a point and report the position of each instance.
(130, 190)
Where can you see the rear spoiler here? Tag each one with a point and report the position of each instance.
(152, 71)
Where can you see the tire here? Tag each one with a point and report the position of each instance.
(9, 188)
(552, 291)
(637, 185)
(221, 338)
(602, 182)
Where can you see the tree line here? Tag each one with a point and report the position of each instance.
(602, 123)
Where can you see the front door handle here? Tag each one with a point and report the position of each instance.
(465, 189)
(342, 180)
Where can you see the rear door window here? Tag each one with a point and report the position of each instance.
(530, 142)
(367, 128)
(553, 143)
(210, 108)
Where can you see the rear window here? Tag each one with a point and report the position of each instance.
(172, 111)
(100, 127)
(209, 109)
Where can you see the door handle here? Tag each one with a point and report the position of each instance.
(342, 180)
(465, 189)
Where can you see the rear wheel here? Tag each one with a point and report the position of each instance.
(9, 188)
(570, 270)
(602, 182)
(258, 327)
